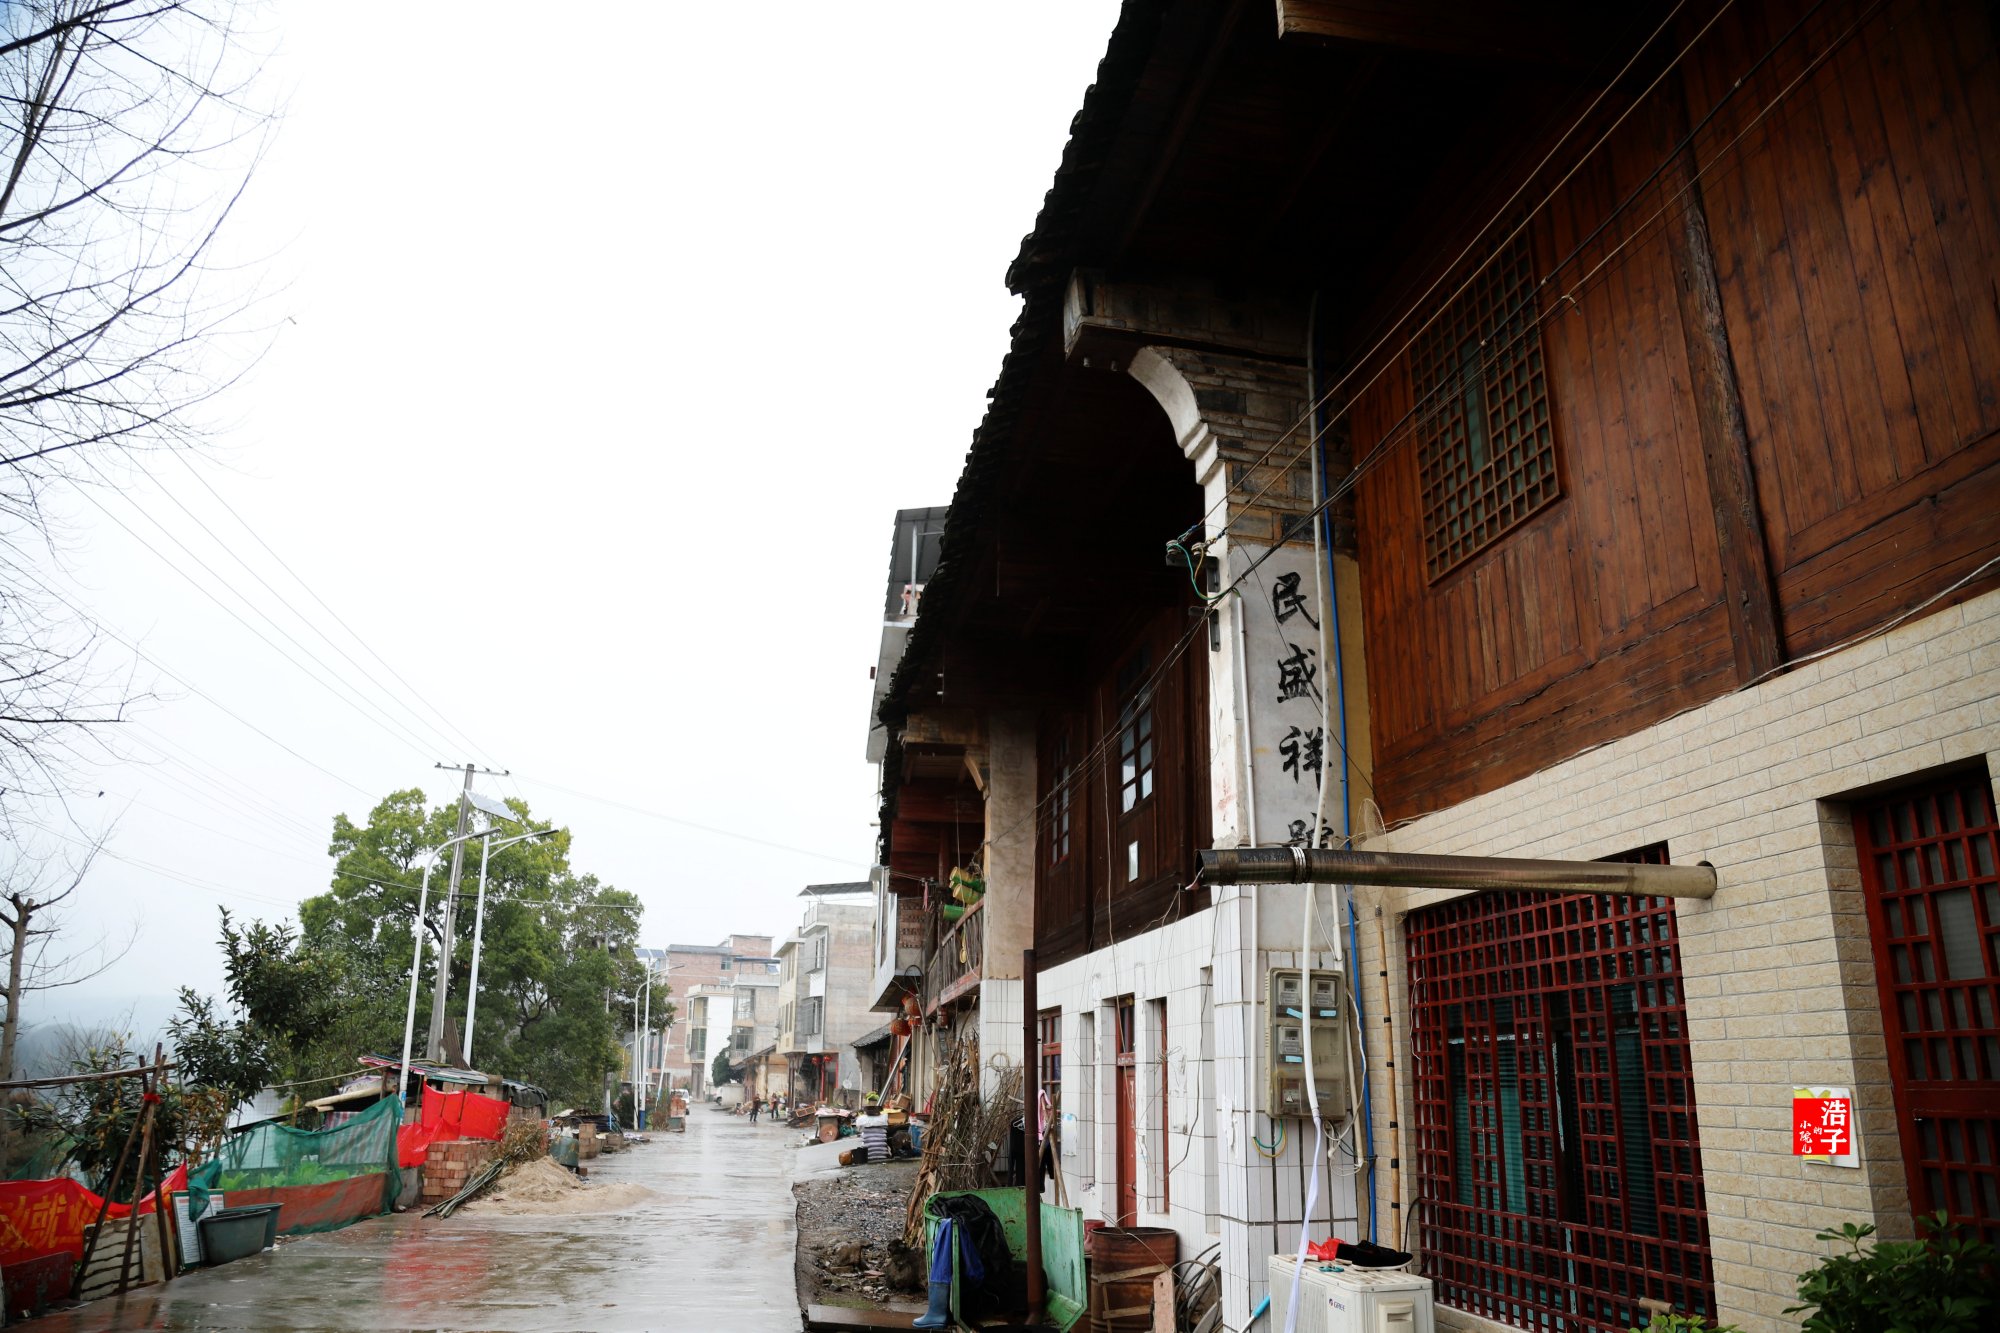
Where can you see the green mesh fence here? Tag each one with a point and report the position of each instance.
(322, 1180)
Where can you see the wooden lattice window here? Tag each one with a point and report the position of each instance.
(1558, 1155)
(1062, 821)
(1488, 454)
(1930, 866)
(1135, 736)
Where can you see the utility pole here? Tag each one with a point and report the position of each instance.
(434, 1047)
(642, 1031)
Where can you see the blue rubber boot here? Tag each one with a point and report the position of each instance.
(939, 1315)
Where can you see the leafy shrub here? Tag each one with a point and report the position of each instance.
(1945, 1283)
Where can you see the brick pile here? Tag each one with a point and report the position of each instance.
(450, 1164)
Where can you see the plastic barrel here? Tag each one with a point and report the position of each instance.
(1123, 1262)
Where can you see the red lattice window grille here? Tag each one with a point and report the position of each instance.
(1557, 1152)
(1488, 454)
(1930, 870)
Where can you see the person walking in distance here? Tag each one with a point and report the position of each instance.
(755, 1104)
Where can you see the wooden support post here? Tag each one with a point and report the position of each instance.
(162, 1205)
(1031, 1141)
(132, 1227)
(1747, 588)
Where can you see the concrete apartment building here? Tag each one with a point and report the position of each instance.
(689, 965)
(1660, 459)
(826, 973)
(788, 997)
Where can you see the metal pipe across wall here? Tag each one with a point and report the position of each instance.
(1409, 870)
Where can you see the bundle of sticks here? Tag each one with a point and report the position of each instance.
(965, 1133)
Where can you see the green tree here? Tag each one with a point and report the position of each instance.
(219, 1064)
(559, 975)
(718, 1073)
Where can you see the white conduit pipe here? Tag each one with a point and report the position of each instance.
(1306, 1013)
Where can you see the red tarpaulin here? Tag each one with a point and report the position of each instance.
(446, 1116)
(41, 1216)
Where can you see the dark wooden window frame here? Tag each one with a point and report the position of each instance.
(1487, 458)
(1062, 800)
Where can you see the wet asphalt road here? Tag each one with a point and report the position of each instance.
(711, 1250)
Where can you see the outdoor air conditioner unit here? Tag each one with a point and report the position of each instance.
(1339, 1298)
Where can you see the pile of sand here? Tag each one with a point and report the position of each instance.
(540, 1188)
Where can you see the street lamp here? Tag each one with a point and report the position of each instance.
(486, 850)
(417, 953)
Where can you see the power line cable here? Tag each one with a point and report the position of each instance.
(286, 602)
(177, 876)
(478, 750)
(191, 823)
(222, 803)
(154, 661)
(689, 823)
(380, 720)
(226, 787)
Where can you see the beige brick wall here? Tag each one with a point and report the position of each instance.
(1780, 976)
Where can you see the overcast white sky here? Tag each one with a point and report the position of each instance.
(612, 338)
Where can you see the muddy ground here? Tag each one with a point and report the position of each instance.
(860, 1203)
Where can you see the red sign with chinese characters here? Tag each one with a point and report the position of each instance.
(1822, 1126)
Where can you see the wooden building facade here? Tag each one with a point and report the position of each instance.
(1548, 430)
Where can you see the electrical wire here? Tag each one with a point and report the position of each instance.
(131, 800)
(377, 718)
(157, 664)
(478, 750)
(1194, 571)
(286, 602)
(223, 784)
(214, 797)
(849, 861)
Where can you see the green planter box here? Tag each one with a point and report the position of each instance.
(1062, 1248)
(229, 1234)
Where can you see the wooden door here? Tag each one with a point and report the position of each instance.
(1128, 1130)
(1930, 869)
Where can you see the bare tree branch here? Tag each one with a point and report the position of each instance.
(127, 137)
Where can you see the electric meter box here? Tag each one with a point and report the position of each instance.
(1337, 1298)
(1286, 1018)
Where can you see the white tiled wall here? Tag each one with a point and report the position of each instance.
(1223, 1192)
(1779, 971)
